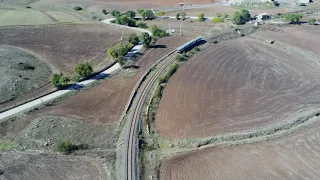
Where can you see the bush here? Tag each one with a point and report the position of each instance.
(141, 24)
(160, 13)
(131, 22)
(77, 8)
(201, 17)
(134, 39)
(58, 80)
(140, 11)
(115, 13)
(225, 15)
(121, 60)
(83, 69)
(157, 32)
(181, 57)
(241, 17)
(104, 12)
(66, 147)
(181, 15)
(145, 39)
(122, 19)
(292, 17)
(217, 20)
(130, 14)
(312, 21)
(218, 15)
(119, 50)
(147, 15)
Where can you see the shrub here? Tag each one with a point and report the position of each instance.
(217, 20)
(292, 17)
(145, 39)
(218, 15)
(131, 22)
(147, 15)
(178, 16)
(141, 24)
(160, 13)
(83, 69)
(104, 12)
(130, 14)
(58, 80)
(115, 13)
(196, 49)
(119, 50)
(181, 57)
(25, 66)
(121, 60)
(66, 147)
(140, 11)
(77, 8)
(201, 17)
(312, 21)
(134, 39)
(122, 19)
(225, 15)
(157, 32)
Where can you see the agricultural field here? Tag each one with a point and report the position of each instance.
(238, 85)
(295, 156)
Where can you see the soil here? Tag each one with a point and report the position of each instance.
(21, 72)
(105, 103)
(64, 46)
(238, 85)
(292, 157)
(20, 166)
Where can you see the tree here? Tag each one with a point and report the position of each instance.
(131, 22)
(130, 14)
(292, 17)
(122, 19)
(133, 39)
(183, 15)
(241, 17)
(83, 69)
(160, 13)
(178, 16)
(201, 17)
(112, 53)
(312, 21)
(121, 60)
(147, 15)
(218, 14)
(115, 13)
(225, 15)
(58, 80)
(104, 12)
(140, 11)
(157, 32)
(141, 24)
(77, 8)
(145, 39)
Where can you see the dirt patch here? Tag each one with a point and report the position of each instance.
(64, 46)
(20, 73)
(18, 166)
(241, 84)
(106, 102)
(291, 157)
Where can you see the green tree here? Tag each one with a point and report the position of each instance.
(77, 8)
(104, 12)
(241, 17)
(157, 32)
(83, 69)
(140, 11)
(218, 15)
(246, 14)
(134, 39)
(121, 60)
(65, 146)
(141, 24)
(58, 80)
(145, 39)
(292, 17)
(225, 15)
(312, 21)
(131, 22)
(178, 16)
(130, 14)
(147, 15)
(201, 17)
(115, 13)
(217, 20)
(160, 13)
(123, 19)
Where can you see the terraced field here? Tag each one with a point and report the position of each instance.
(292, 157)
(238, 85)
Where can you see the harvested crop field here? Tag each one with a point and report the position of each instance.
(105, 102)
(21, 72)
(114, 4)
(238, 85)
(305, 37)
(295, 156)
(64, 46)
(18, 166)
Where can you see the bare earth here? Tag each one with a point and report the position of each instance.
(292, 157)
(237, 85)
(105, 102)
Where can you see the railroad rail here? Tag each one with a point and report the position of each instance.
(131, 145)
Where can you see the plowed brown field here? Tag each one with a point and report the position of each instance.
(106, 102)
(292, 157)
(237, 85)
(64, 46)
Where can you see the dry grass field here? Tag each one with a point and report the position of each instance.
(295, 156)
(238, 85)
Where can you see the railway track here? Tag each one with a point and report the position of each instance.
(142, 94)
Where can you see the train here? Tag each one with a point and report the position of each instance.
(189, 44)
